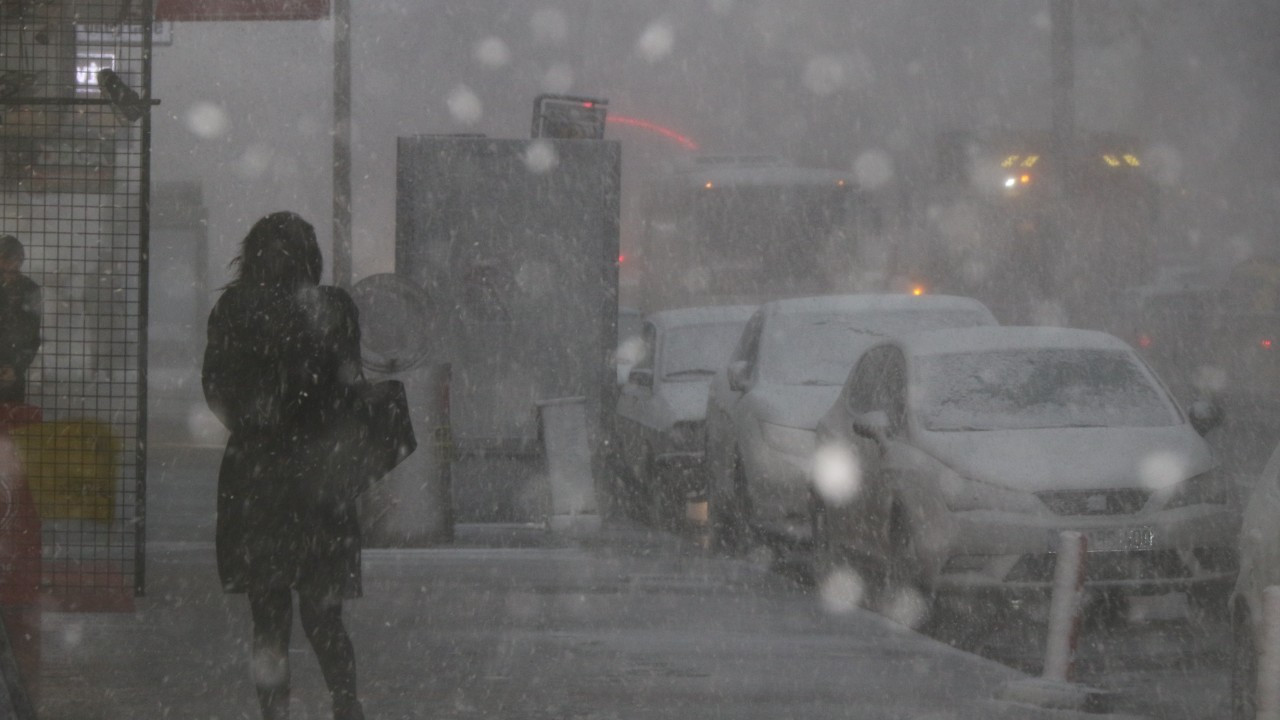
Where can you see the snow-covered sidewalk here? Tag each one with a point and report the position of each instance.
(510, 622)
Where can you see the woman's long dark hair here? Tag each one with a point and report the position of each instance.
(279, 251)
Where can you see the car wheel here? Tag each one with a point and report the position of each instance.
(730, 513)
(818, 538)
(1244, 671)
(831, 560)
(666, 503)
(823, 561)
(626, 487)
(902, 572)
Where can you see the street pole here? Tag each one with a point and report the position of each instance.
(1062, 62)
(342, 143)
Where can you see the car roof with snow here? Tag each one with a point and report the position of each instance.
(1006, 337)
(704, 315)
(873, 302)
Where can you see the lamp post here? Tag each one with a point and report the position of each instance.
(342, 143)
(1062, 63)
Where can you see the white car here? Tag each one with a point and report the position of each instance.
(953, 460)
(784, 374)
(1259, 549)
(659, 413)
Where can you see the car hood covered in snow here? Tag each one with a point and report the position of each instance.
(1073, 458)
(687, 400)
(797, 406)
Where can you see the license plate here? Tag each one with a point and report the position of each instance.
(1127, 539)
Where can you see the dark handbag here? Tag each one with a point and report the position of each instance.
(376, 435)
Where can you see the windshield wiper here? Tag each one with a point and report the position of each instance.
(687, 373)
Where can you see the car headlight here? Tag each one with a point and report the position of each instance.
(1204, 489)
(791, 441)
(961, 494)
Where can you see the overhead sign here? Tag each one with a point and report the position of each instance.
(184, 10)
(569, 117)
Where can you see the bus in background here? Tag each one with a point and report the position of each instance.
(1040, 238)
(743, 229)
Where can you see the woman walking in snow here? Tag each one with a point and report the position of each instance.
(282, 362)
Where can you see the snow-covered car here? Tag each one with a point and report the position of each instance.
(786, 371)
(953, 460)
(1259, 549)
(659, 415)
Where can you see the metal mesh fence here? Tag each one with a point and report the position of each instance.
(74, 159)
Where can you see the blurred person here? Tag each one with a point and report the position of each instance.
(282, 360)
(20, 309)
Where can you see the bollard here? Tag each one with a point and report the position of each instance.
(562, 424)
(1054, 689)
(1269, 656)
(1065, 607)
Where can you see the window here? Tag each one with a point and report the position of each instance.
(649, 340)
(749, 346)
(868, 377)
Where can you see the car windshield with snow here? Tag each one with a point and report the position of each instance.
(1039, 388)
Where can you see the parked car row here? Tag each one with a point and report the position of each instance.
(765, 401)
(914, 442)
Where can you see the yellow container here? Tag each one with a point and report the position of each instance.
(70, 467)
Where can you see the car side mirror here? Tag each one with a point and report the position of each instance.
(623, 372)
(1205, 415)
(641, 376)
(739, 375)
(873, 425)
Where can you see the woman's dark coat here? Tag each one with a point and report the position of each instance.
(278, 365)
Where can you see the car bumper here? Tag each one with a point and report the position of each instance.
(681, 470)
(1175, 550)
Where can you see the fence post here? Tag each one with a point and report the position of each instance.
(21, 553)
(15, 703)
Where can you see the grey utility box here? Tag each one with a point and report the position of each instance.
(516, 244)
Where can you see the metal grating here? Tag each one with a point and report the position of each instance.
(1125, 501)
(74, 182)
(1146, 565)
